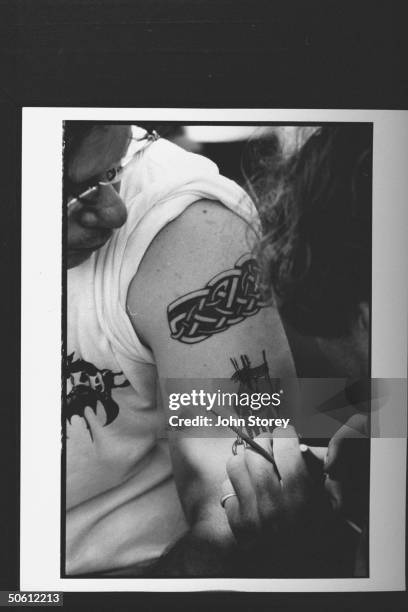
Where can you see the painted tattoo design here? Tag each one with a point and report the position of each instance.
(228, 299)
(249, 377)
(86, 385)
(254, 380)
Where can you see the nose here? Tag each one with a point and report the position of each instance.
(105, 209)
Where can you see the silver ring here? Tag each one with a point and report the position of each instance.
(238, 442)
(225, 497)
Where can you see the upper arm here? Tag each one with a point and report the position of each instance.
(192, 302)
(207, 241)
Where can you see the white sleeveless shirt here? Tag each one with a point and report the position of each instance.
(122, 504)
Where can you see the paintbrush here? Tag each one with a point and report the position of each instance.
(254, 445)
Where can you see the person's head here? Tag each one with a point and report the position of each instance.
(316, 248)
(92, 154)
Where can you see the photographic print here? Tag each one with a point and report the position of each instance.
(222, 414)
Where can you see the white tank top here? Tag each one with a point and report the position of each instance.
(122, 505)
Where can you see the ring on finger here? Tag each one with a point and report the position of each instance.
(225, 497)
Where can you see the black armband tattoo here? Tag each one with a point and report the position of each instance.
(228, 299)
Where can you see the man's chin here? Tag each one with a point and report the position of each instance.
(75, 258)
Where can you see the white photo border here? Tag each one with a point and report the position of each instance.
(41, 346)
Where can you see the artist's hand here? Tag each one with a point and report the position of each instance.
(348, 469)
(287, 524)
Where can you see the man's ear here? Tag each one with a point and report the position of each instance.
(364, 316)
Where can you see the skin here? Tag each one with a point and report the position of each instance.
(92, 220)
(263, 507)
(286, 527)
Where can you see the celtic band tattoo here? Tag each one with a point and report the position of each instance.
(227, 299)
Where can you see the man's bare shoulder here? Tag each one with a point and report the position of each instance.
(203, 223)
(205, 236)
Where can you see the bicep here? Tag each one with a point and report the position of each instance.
(194, 299)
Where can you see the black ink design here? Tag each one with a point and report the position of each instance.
(226, 300)
(254, 380)
(249, 377)
(86, 385)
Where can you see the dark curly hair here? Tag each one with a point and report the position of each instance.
(315, 208)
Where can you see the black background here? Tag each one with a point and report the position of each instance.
(175, 53)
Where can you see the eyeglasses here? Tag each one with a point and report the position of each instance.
(139, 141)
